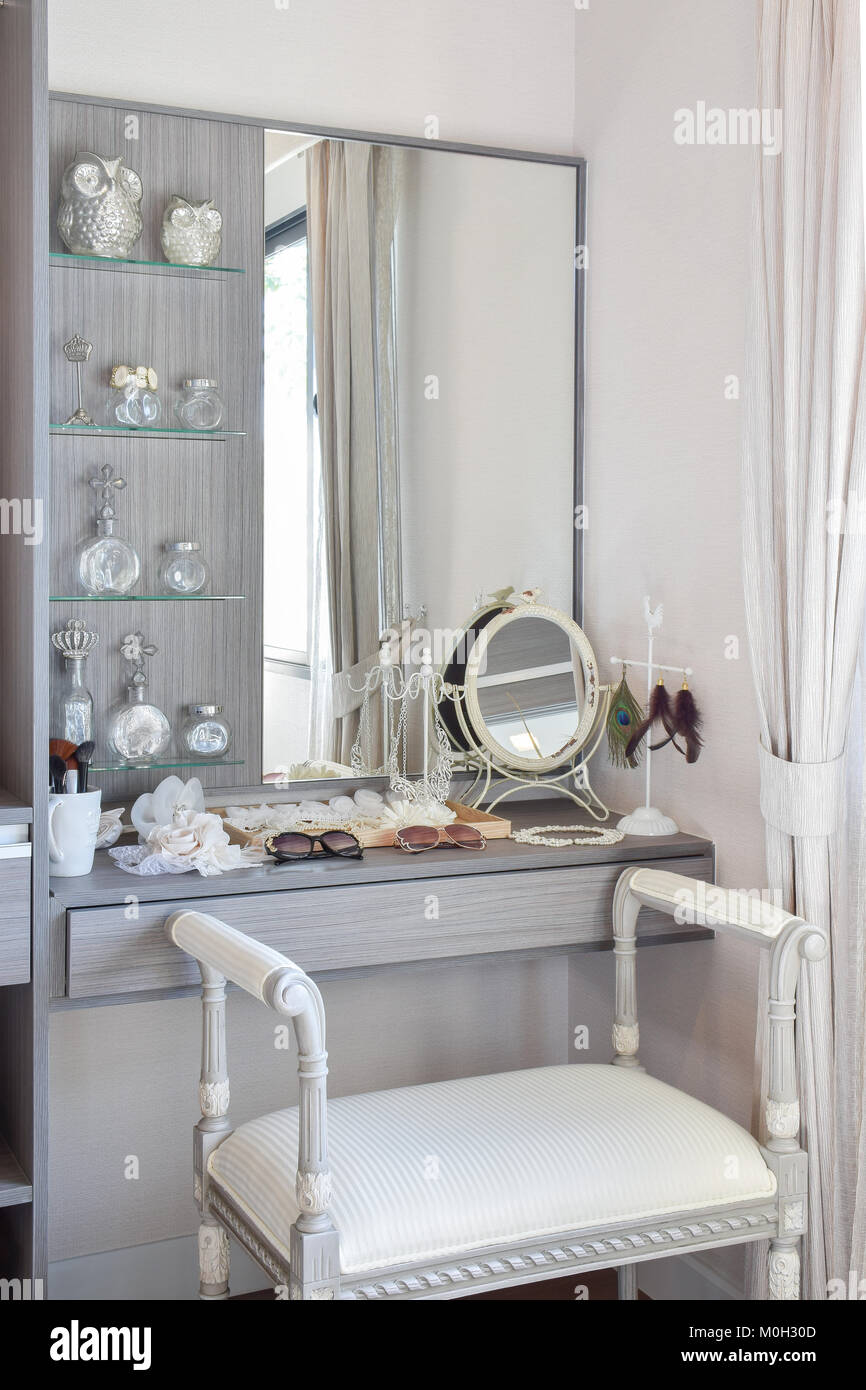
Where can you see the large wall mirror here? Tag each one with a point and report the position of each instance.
(396, 330)
(422, 411)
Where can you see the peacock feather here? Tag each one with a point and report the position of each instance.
(624, 716)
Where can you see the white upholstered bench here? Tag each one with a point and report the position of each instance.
(439, 1190)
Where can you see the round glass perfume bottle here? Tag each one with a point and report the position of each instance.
(107, 563)
(184, 571)
(199, 405)
(206, 733)
(139, 731)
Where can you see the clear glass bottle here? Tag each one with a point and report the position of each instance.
(71, 701)
(199, 405)
(72, 705)
(139, 731)
(132, 401)
(206, 732)
(107, 563)
(184, 571)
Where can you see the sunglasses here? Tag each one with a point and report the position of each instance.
(293, 845)
(414, 839)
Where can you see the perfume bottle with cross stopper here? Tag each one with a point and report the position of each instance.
(72, 702)
(139, 731)
(107, 564)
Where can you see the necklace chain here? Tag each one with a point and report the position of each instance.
(589, 835)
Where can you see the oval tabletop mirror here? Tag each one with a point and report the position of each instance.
(531, 688)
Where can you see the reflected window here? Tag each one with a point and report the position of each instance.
(289, 445)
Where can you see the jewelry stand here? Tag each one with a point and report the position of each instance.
(399, 692)
(648, 819)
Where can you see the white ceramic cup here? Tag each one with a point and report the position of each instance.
(73, 824)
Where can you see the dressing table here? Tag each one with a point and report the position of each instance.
(433, 540)
(389, 909)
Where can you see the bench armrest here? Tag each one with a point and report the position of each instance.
(789, 939)
(222, 954)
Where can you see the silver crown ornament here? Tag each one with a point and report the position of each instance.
(75, 642)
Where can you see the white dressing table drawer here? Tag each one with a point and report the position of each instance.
(362, 925)
(14, 911)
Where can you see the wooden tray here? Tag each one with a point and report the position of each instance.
(491, 827)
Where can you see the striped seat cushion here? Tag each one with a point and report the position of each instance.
(426, 1172)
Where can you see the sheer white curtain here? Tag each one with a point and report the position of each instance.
(805, 572)
(351, 215)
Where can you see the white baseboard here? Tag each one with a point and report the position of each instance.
(162, 1270)
(168, 1270)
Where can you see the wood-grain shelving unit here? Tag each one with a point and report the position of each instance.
(185, 321)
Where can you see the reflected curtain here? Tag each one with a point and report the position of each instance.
(351, 216)
(805, 572)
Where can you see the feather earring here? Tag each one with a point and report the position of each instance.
(625, 713)
(659, 712)
(688, 720)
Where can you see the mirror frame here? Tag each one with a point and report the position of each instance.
(273, 791)
(501, 756)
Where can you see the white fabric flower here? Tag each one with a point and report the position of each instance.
(178, 839)
(167, 803)
(196, 838)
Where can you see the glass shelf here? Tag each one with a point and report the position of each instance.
(161, 764)
(152, 431)
(115, 263)
(147, 598)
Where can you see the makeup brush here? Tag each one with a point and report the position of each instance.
(57, 769)
(63, 747)
(84, 755)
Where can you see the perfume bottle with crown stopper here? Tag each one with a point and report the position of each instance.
(139, 731)
(107, 564)
(72, 702)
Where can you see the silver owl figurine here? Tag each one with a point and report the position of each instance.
(190, 232)
(99, 206)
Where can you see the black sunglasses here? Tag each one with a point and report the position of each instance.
(294, 845)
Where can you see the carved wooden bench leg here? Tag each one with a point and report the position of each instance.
(785, 1268)
(626, 1282)
(213, 1260)
(214, 1125)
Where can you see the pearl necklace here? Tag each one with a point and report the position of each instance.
(590, 835)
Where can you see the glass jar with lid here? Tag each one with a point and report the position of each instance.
(206, 733)
(184, 571)
(199, 405)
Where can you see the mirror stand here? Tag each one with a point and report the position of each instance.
(490, 774)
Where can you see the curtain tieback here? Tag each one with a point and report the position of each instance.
(802, 799)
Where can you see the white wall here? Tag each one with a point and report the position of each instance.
(668, 229)
(667, 236)
(494, 72)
